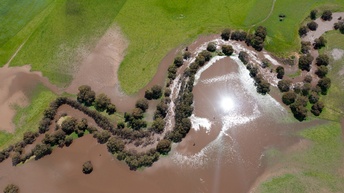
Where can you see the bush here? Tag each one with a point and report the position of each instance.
(308, 79)
(312, 25)
(164, 146)
(29, 137)
(186, 55)
(227, 50)
(280, 72)
(289, 97)
(68, 141)
(11, 188)
(299, 111)
(142, 104)
(305, 89)
(238, 35)
(178, 61)
(158, 125)
(305, 62)
(87, 167)
(206, 54)
(200, 60)
(103, 136)
(167, 92)
(211, 47)
(156, 91)
(284, 85)
(322, 59)
(226, 34)
(327, 15)
(313, 97)
(111, 109)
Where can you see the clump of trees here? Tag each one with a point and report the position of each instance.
(154, 93)
(41, 150)
(87, 167)
(239, 35)
(11, 188)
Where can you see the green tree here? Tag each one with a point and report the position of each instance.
(289, 97)
(284, 85)
(313, 14)
(303, 30)
(324, 84)
(227, 50)
(226, 34)
(111, 109)
(312, 25)
(317, 108)
(280, 72)
(327, 15)
(243, 56)
(164, 146)
(87, 167)
(319, 42)
(178, 61)
(142, 104)
(115, 145)
(158, 125)
(211, 47)
(322, 59)
(101, 102)
(305, 62)
(69, 125)
(41, 150)
(86, 95)
(322, 71)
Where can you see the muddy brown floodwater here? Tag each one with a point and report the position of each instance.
(233, 128)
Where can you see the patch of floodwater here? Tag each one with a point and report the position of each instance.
(337, 54)
(205, 67)
(232, 116)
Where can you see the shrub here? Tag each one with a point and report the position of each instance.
(305, 89)
(305, 47)
(299, 111)
(156, 91)
(227, 50)
(29, 137)
(87, 167)
(11, 188)
(103, 136)
(206, 54)
(308, 79)
(327, 15)
(158, 125)
(226, 34)
(167, 92)
(317, 108)
(186, 55)
(68, 141)
(324, 84)
(211, 47)
(313, 97)
(110, 109)
(200, 60)
(312, 25)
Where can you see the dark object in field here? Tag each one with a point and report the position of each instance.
(11, 188)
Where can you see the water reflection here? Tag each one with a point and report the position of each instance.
(227, 104)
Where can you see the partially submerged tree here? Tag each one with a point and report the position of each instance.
(312, 25)
(227, 50)
(87, 167)
(11, 188)
(327, 15)
(226, 34)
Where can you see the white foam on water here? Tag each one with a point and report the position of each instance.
(205, 67)
(223, 78)
(199, 122)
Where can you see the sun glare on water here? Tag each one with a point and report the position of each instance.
(227, 104)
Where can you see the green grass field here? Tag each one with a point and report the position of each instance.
(56, 32)
(314, 169)
(334, 99)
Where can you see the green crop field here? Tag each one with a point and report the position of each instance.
(54, 33)
(315, 168)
